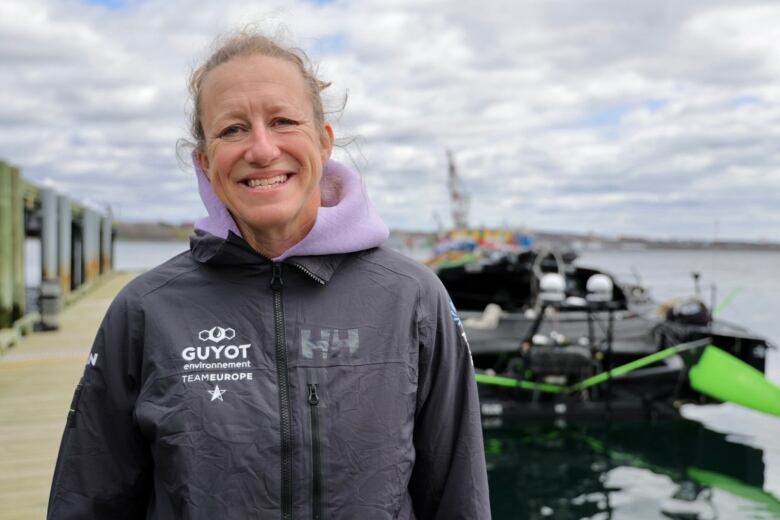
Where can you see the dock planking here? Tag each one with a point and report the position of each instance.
(37, 380)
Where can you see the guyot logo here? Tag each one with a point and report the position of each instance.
(216, 334)
(216, 352)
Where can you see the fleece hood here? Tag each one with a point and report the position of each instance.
(346, 220)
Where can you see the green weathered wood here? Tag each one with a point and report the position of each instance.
(21, 327)
(17, 224)
(6, 248)
(30, 194)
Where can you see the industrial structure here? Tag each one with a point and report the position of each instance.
(459, 197)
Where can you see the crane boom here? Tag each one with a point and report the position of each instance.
(459, 199)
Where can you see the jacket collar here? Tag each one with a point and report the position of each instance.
(235, 251)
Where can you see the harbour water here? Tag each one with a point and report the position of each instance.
(720, 462)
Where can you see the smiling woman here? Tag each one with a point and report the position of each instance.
(263, 149)
(261, 138)
(289, 365)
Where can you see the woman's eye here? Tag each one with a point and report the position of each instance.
(283, 121)
(230, 131)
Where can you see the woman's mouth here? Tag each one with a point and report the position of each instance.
(264, 184)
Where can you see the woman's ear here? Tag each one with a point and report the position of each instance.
(326, 141)
(203, 162)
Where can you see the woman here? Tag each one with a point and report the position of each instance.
(288, 365)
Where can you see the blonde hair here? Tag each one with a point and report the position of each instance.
(249, 42)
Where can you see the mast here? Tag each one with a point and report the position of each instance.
(459, 199)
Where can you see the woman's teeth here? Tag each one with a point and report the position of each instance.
(265, 183)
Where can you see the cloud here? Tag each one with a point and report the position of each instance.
(654, 118)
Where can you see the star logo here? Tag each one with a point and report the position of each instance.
(217, 393)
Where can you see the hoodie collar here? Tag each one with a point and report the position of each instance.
(346, 220)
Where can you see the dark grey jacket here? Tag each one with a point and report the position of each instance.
(224, 386)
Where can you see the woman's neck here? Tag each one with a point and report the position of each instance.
(272, 243)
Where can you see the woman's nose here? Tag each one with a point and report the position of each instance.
(262, 147)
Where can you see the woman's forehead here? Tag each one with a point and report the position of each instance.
(260, 78)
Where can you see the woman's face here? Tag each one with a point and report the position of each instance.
(264, 151)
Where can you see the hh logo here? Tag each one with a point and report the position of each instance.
(329, 343)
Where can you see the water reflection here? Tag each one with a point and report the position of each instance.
(672, 469)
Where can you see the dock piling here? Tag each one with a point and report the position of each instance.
(91, 245)
(51, 293)
(17, 245)
(64, 244)
(106, 241)
(6, 247)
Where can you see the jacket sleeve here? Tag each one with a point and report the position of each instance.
(449, 479)
(103, 467)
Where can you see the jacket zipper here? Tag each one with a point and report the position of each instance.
(316, 488)
(311, 275)
(284, 392)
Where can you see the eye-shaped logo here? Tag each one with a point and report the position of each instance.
(216, 334)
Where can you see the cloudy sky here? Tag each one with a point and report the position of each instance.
(658, 118)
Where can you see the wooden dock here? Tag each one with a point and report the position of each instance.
(77, 248)
(37, 379)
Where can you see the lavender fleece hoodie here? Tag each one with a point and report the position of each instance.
(346, 221)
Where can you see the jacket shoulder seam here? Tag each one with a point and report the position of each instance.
(163, 283)
(420, 284)
(363, 258)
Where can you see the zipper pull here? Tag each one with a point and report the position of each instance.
(313, 397)
(276, 277)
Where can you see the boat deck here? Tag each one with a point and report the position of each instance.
(632, 334)
(37, 379)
